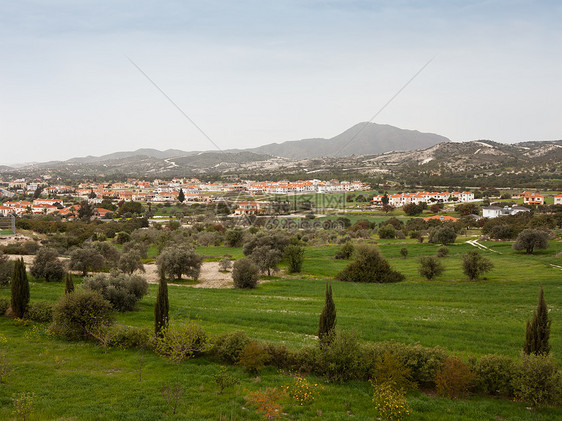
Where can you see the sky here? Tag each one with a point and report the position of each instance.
(251, 72)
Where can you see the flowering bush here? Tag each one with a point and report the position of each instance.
(267, 402)
(390, 402)
(302, 390)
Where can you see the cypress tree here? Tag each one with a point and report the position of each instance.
(69, 284)
(327, 322)
(181, 196)
(162, 306)
(538, 330)
(20, 289)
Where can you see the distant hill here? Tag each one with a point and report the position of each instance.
(144, 152)
(361, 139)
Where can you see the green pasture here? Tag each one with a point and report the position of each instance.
(78, 381)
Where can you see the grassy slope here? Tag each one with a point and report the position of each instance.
(76, 379)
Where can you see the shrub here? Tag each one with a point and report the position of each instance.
(122, 291)
(342, 359)
(389, 368)
(225, 264)
(295, 254)
(444, 235)
(4, 305)
(224, 380)
(181, 342)
(279, 355)
(227, 347)
(40, 311)
(346, 251)
(387, 232)
(390, 402)
(267, 402)
(6, 270)
(301, 390)
(453, 378)
(122, 237)
(369, 266)
(76, 313)
(442, 251)
(253, 357)
(422, 361)
(245, 273)
(131, 337)
(493, 374)
(537, 380)
(404, 252)
(474, 264)
(430, 267)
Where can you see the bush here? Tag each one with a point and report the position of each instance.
(279, 355)
(122, 237)
(346, 251)
(225, 264)
(390, 402)
(40, 311)
(442, 251)
(389, 368)
(342, 359)
(537, 380)
(474, 264)
(75, 314)
(122, 291)
(181, 342)
(493, 375)
(228, 346)
(454, 378)
(253, 357)
(445, 235)
(245, 273)
(387, 232)
(6, 270)
(295, 254)
(404, 252)
(4, 305)
(430, 267)
(369, 266)
(423, 362)
(131, 337)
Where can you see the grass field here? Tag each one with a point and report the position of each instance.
(6, 232)
(467, 318)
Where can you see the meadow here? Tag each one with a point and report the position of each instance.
(77, 380)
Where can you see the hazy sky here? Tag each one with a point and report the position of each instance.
(254, 72)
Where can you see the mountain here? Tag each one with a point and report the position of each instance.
(361, 139)
(144, 152)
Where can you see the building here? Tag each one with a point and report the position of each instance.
(495, 211)
(558, 199)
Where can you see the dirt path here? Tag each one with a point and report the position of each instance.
(210, 276)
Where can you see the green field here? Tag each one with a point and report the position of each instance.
(467, 318)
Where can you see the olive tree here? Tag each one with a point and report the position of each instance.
(531, 239)
(180, 260)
